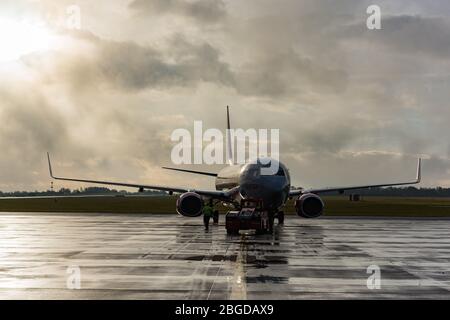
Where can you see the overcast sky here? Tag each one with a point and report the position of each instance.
(353, 105)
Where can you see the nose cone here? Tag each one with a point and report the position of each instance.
(271, 189)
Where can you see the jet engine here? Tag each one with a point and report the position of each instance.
(309, 205)
(190, 204)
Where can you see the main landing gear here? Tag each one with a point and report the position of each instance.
(272, 215)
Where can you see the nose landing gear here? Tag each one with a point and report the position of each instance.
(272, 215)
(251, 216)
(280, 217)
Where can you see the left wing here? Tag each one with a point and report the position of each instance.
(342, 189)
(222, 195)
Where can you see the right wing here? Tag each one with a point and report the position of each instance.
(296, 192)
(222, 195)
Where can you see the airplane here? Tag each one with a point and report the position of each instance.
(244, 181)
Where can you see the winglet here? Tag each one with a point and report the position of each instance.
(419, 170)
(49, 165)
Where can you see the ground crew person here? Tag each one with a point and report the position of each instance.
(207, 213)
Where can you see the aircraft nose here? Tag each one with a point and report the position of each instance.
(260, 190)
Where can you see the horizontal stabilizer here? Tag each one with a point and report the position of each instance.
(212, 174)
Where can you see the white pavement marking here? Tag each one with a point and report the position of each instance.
(238, 282)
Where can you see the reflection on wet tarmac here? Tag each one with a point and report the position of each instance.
(170, 257)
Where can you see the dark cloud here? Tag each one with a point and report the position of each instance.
(130, 66)
(407, 34)
(135, 67)
(274, 74)
(180, 63)
(203, 11)
(351, 103)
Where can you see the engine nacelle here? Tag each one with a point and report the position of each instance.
(309, 206)
(190, 204)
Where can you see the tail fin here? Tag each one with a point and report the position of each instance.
(229, 142)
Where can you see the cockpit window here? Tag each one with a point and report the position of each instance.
(280, 172)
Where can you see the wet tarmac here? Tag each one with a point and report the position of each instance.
(118, 256)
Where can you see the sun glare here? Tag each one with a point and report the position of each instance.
(21, 38)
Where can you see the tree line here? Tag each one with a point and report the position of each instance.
(76, 192)
(383, 192)
(437, 192)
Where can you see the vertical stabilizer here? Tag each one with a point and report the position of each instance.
(229, 142)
